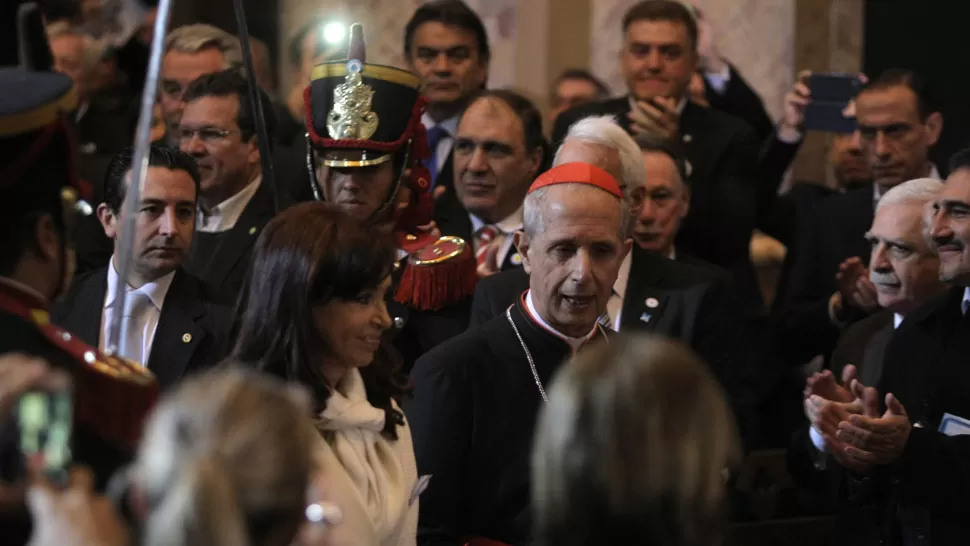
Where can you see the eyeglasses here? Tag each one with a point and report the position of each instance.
(208, 135)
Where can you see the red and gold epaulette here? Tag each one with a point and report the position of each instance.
(113, 397)
(441, 271)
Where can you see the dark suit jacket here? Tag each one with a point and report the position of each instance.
(692, 304)
(741, 101)
(227, 265)
(864, 345)
(834, 232)
(723, 152)
(191, 331)
(923, 495)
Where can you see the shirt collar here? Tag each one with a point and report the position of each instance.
(574, 342)
(450, 125)
(155, 290)
(623, 276)
(225, 215)
(509, 224)
(965, 304)
(897, 320)
(673, 253)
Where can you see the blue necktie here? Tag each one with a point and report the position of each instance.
(435, 134)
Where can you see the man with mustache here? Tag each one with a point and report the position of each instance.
(903, 441)
(829, 285)
(904, 269)
(173, 324)
(217, 128)
(445, 44)
(658, 58)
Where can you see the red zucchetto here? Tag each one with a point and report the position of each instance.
(578, 173)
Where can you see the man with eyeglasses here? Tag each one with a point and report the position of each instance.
(217, 128)
(192, 51)
(829, 285)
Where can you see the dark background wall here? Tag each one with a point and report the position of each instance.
(931, 37)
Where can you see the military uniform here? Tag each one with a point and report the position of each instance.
(359, 115)
(38, 177)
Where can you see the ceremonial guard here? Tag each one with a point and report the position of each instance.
(366, 152)
(39, 198)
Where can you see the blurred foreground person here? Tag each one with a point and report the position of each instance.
(226, 460)
(633, 448)
(313, 312)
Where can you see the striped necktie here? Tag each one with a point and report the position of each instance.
(484, 238)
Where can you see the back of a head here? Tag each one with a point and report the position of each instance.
(225, 460)
(198, 37)
(632, 447)
(604, 131)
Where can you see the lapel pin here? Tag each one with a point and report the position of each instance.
(186, 338)
(645, 317)
(652, 303)
(516, 259)
(399, 322)
(252, 230)
(688, 139)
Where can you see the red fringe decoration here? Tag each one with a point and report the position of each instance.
(429, 288)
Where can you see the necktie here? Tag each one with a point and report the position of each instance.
(483, 241)
(613, 307)
(435, 134)
(133, 326)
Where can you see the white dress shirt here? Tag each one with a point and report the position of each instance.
(224, 216)
(507, 226)
(443, 149)
(147, 321)
(574, 342)
(614, 307)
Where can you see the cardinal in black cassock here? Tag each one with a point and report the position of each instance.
(476, 397)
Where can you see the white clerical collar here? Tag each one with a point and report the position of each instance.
(574, 342)
(680, 105)
(509, 224)
(224, 216)
(155, 290)
(450, 125)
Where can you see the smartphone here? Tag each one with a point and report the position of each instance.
(831, 93)
(45, 420)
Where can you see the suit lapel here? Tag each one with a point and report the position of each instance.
(88, 312)
(242, 236)
(178, 333)
(644, 303)
(875, 352)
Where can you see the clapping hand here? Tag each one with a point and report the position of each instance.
(658, 117)
(75, 516)
(876, 440)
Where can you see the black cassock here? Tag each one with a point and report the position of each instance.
(472, 416)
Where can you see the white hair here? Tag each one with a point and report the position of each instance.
(93, 49)
(533, 222)
(918, 191)
(197, 37)
(604, 131)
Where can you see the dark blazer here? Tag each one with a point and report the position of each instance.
(834, 232)
(723, 152)
(191, 331)
(864, 345)
(227, 264)
(923, 496)
(693, 304)
(741, 101)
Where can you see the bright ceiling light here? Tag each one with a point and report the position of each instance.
(334, 33)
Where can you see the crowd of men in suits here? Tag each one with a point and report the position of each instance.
(873, 281)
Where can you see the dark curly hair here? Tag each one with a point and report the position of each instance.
(309, 255)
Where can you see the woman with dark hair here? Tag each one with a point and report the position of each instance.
(313, 312)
